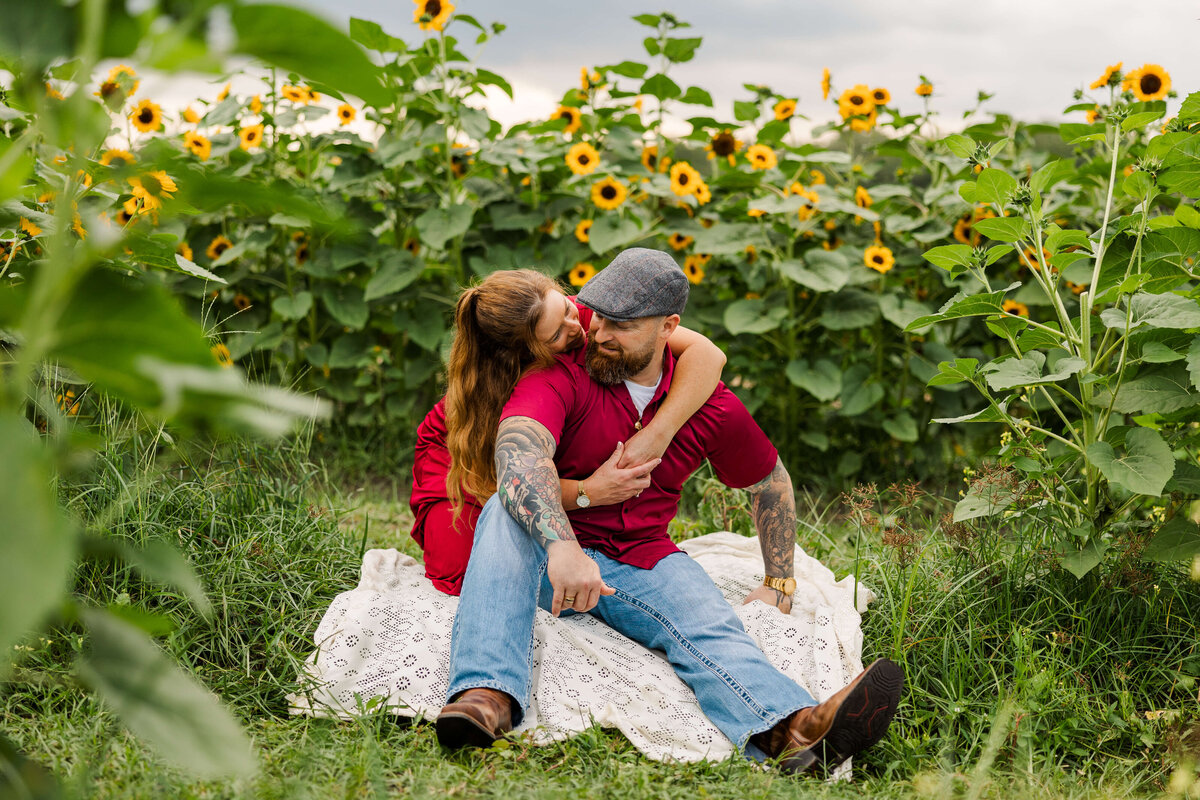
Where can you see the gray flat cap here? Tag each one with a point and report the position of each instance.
(638, 283)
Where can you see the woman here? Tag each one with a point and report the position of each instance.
(512, 322)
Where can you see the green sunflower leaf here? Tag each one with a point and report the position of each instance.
(1051, 174)
(994, 186)
(962, 305)
(1144, 469)
(397, 272)
(1181, 168)
(661, 86)
(1193, 362)
(1002, 229)
(297, 40)
(436, 226)
(610, 231)
(988, 414)
(753, 316)
(859, 394)
(697, 97)
(949, 256)
(292, 306)
(901, 427)
(823, 379)
(1178, 540)
(628, 69)
(372, 36)
(1156, 311)
(1139, 120)
(959, 145)
(681, 50)
(1161, 391)
(956, 371)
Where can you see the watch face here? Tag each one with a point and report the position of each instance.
(789, 586)
(582, 501)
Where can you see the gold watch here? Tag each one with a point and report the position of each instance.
(581, 499)
(785, 585)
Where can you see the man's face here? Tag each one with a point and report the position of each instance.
(616, 351)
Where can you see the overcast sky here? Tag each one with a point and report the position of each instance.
(1031, 54)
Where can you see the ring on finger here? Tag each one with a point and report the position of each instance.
(569, 600)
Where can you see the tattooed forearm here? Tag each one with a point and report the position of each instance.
(774, 507)
(527, 480)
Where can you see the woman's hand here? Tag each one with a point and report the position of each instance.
(614, 484)
(645, 445)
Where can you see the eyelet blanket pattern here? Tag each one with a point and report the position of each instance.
(386, 643)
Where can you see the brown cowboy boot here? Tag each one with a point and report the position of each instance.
(818, 738)
(476, 718)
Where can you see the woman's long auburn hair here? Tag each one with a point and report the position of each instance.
(495, 341)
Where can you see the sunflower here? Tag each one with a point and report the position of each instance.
(679, 241)
(412, 245)
(571, 115)
(222, 354)
(879, 258)
(784, 109)
(346, 114)
(761, 156)
(116, 158)
(684, 178)
(30, 227)
(147, 116)
(123, 75)
(294, 93)
(703, 195)
(184, 250)
(924, 89)
(200, 146)
(583, 159)
(190, 116)
(1093, 114)
(962, 230)
(725, 145)
(311, 96)
(651, 161)
(825, 85)
(751, 253)
(217, 246)
(796, 187)
(241, 302)
(151, 188)
(221, 95)
(432, 15)
(302, 250)
(862, 198)
(589, 80)
(855, 101)
(251, 136)
(881, 96)
(755, 212)
(693, 267)
(1015, 308)
(809, 208)
(608, 193)
(1029, 259)
(581, 273)
(77, 226)
(581, 230)
(817, 177)
(1077, 288)
(1149, 82)
(255, 104)
(67, 403)
(1112, 76)
(861, 124)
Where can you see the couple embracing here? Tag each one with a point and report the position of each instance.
(548, 478)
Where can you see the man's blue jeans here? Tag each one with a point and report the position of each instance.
(674, 607)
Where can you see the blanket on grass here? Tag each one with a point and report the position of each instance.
(386, 643)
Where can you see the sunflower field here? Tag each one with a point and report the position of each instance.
(1014, 302)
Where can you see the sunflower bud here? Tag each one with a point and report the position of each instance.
(1149, 164)
(1118, 113)
(1022, 195)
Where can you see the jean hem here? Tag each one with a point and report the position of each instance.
(518, 709)
(775, 720)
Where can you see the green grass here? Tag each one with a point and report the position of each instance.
(1023, 681)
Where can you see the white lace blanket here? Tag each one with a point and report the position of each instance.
(387, 642)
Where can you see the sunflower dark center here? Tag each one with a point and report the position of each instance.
(146, 116)
(857, 100)
(251, 136)
(652, 160)
(1150, 84)
(220, 247)
(108, 88)
(879, 97)
(608, 192)
(684, 179)
(433, 7)
(877, 258)
(724, 144)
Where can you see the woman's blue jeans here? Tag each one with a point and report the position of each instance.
(673, 607)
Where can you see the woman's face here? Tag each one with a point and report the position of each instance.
(559, 328)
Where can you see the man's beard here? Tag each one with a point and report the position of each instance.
(611, 368)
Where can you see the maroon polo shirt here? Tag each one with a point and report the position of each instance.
(587, 420)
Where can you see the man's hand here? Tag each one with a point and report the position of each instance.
(772, 597)
(575, 578)
(613, 484)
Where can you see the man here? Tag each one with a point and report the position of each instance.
(618, 563)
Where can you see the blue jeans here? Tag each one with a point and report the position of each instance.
(673, 607)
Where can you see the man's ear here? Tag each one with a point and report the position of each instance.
(669, 324)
